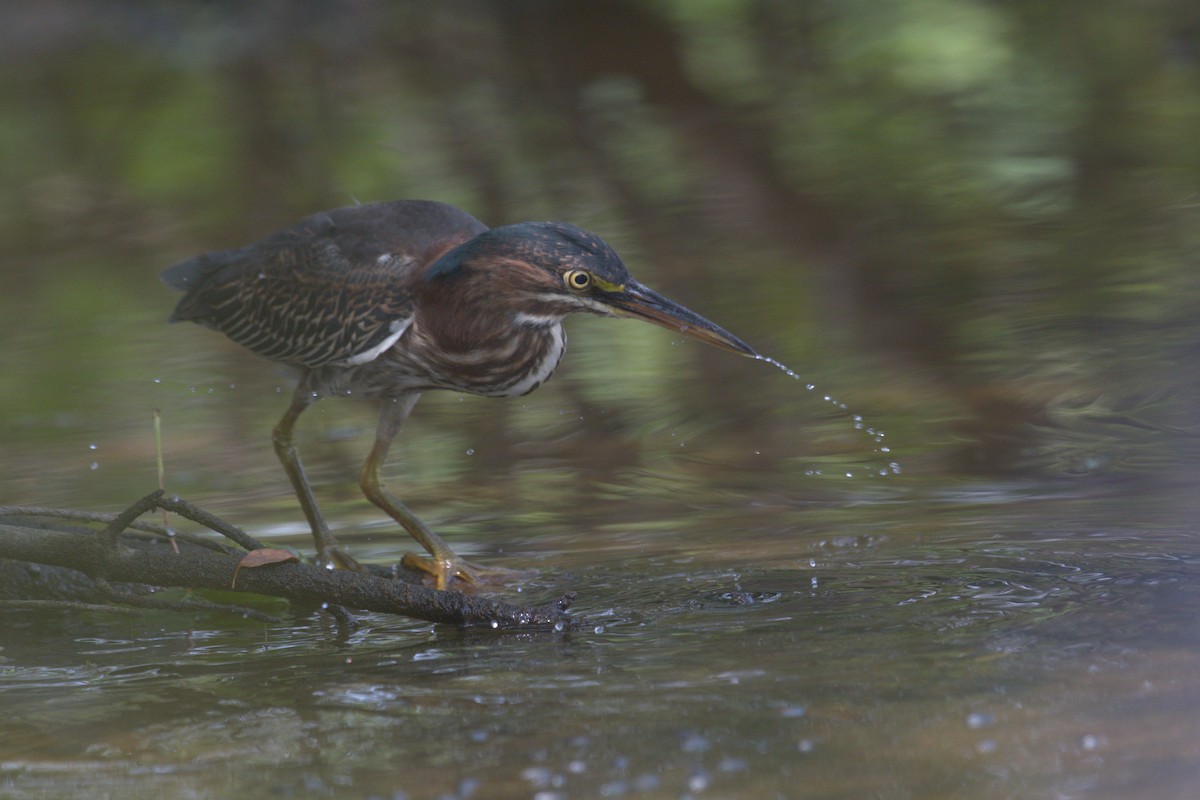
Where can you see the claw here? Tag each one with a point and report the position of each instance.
(447, 570)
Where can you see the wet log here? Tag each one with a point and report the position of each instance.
(107, 556)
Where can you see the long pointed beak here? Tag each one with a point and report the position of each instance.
(642, 303)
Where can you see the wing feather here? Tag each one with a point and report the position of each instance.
(333, 289)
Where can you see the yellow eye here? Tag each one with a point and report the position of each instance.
(577, 280)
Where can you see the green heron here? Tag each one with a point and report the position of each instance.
(388, 300)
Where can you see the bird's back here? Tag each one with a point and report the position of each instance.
(333, 289)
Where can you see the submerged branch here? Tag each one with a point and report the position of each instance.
(104, 556)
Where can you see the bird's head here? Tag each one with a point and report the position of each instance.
(542, 271)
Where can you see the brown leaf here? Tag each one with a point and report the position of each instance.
(260, 558)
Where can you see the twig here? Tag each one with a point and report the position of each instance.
(112, 531)
(162, 476)
(137, 528)
(346, 623)
(210, 521)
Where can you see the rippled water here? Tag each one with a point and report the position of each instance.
(975, 641)
(953, 554)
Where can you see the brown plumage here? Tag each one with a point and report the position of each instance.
(392, 299)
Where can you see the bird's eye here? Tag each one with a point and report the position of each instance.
(577, 280)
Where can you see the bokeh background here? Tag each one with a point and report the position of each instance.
(974, 224)
(979, 219)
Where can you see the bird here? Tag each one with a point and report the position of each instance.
(387, 300)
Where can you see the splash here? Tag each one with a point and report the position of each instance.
(875, 435)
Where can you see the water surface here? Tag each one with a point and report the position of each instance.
(968, 225)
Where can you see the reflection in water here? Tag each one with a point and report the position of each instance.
(946, 650)
(974, 219)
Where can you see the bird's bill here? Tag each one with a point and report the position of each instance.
(639, 302)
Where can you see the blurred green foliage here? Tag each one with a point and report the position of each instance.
(976, 218)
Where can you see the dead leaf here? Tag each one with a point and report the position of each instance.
(261, 558)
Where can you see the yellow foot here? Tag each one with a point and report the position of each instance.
(459, 570)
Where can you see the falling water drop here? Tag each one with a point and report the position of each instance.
(875, 435)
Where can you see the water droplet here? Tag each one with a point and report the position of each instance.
(856, 419)
(92, 446)
(94, 465)
(495, 624)
(158, 380)
(470, 451)
(976, 721)
(539, 776)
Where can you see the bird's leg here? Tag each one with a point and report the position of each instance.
(443, 564)
(328, 553)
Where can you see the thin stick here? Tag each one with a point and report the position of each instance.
(162, 479)
(201, 517)
(93, 516)
(121, 521)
